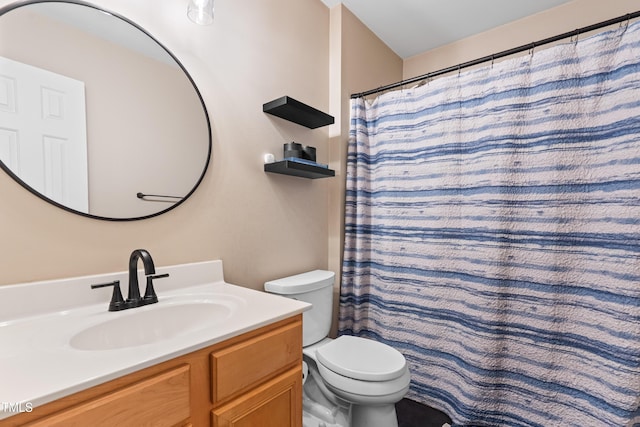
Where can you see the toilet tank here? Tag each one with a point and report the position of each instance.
(316, 288)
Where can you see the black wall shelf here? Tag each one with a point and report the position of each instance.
(295, 111)
(287, 167)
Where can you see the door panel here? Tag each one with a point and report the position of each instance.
(43, 138)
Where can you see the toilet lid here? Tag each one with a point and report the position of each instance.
(362, 359)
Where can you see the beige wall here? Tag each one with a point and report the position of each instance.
(261, 225)
(558, 20)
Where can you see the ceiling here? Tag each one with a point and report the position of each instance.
(410, 27)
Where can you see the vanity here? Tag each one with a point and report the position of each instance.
(207, 354)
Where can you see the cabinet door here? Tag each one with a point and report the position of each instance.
(162, 400)
(238, 368)
(277, 403)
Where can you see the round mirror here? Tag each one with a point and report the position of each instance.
(96, 116)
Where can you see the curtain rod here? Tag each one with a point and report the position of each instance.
(502, 54)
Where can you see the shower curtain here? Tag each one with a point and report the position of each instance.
(492, 235)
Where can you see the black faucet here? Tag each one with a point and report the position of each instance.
(134, 299)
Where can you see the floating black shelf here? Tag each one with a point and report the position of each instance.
(287, 167)
(295, 111)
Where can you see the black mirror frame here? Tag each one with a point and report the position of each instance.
(16, 5)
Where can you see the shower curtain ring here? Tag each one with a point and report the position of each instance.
(577, 35)
(626, 23)
(533, 48)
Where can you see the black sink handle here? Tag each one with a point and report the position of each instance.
(117, 302)
(150, 296)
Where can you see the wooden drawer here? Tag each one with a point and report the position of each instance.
(160, 400)
(239, 367)
(276, 403)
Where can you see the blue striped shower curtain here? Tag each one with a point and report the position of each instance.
(493, 235)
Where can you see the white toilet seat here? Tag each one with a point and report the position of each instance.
(362, 370)
(362, 359)
(365, 391)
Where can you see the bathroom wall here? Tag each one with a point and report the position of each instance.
(558, 20)
(261, 225)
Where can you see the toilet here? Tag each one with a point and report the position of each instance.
(348, 381)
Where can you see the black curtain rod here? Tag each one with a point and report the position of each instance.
(574, 33)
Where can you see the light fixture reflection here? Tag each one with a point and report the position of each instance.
(200, 11)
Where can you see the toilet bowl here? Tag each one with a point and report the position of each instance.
(350, 381)
(369, 375)
(321, 408)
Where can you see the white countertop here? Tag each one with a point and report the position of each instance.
(38, 321)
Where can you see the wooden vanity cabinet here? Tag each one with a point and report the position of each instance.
(254, 379)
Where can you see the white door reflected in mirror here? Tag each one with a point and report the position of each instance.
(43, 135)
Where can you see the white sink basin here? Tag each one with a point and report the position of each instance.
(153, 323)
